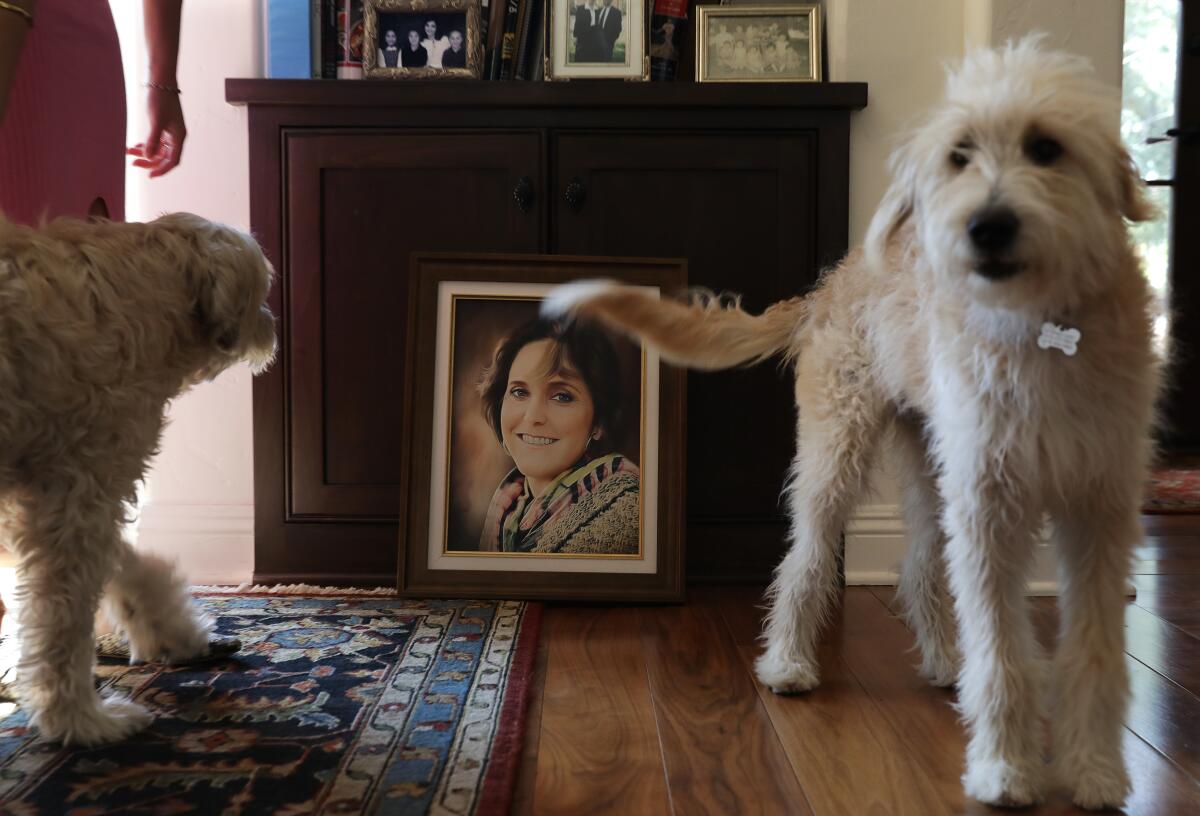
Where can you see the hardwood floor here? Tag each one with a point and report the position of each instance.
(655, 710)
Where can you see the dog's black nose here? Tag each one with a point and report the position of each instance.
(993, 230)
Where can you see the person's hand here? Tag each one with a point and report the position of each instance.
(163, 148)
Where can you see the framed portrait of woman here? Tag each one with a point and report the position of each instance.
(544, 456)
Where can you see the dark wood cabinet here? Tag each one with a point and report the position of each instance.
(748, 183)
(358, 204)
(726, 202)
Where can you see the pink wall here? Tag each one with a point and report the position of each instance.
(199, 498)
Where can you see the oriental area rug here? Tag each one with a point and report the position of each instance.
(1173, 490)
(336, 704)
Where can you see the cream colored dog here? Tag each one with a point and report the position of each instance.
(998, 325)
(101, 324)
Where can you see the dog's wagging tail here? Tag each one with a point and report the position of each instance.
(704, 332)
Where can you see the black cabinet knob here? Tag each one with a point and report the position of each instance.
(523, 194)
(575, 194)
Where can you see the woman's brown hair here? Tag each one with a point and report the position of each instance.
(578, 347)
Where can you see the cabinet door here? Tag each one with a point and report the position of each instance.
(741, 209)
(356, 206)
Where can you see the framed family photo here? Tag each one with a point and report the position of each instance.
(422, 39)
(758, 43)
(597, 39)
(544, 456)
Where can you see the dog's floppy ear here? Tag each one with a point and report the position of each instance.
(214, 259)
(222, 330)
(224, 288)
(897, 206)
(1133, 200)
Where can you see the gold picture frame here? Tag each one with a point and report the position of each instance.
(758, 43)
(559, 63)
(381, 17)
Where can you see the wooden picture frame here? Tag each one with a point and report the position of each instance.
(387, 20)
(475, 520)
(758, 43)
(562, 46)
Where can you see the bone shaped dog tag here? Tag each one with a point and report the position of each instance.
(1065, 340)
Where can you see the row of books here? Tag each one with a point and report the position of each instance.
(515, 39)
(323, 39)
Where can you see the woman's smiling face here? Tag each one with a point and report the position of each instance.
(546, 418)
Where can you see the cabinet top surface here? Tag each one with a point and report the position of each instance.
(589, 94)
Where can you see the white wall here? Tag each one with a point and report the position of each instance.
(200, 498)
(901, 49)
(198, 504)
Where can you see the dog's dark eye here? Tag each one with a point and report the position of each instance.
(960, 156)
(1044, 150)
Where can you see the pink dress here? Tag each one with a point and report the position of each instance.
(62, 141)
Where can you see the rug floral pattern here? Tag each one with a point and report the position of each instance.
(335, 705)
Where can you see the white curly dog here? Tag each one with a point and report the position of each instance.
(998, 325)
(101, 324)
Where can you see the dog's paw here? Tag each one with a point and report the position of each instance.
(786, 676)
(95, 722)
(939, 670)
(168, 651)
(175, 641)
(1005, 784)
(1095, 783)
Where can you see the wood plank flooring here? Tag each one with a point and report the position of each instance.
(655, 710)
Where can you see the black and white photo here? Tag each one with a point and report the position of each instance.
(758, 43)
(422, 38)
(597, 38)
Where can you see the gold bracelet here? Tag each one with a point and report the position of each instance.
(15, 9)
(160, 87)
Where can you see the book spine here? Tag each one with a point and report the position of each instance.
(522, 16)
(314, 39)
(508, 43)
(350, 39)
(491, 55)
(289, 46)
(668, 27)
(526, 37)
(329, 39)
(537, 56)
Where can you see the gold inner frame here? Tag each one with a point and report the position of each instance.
(641, 553)
(706, 13)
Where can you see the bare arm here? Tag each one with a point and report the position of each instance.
(163, 147)
(13, 28)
